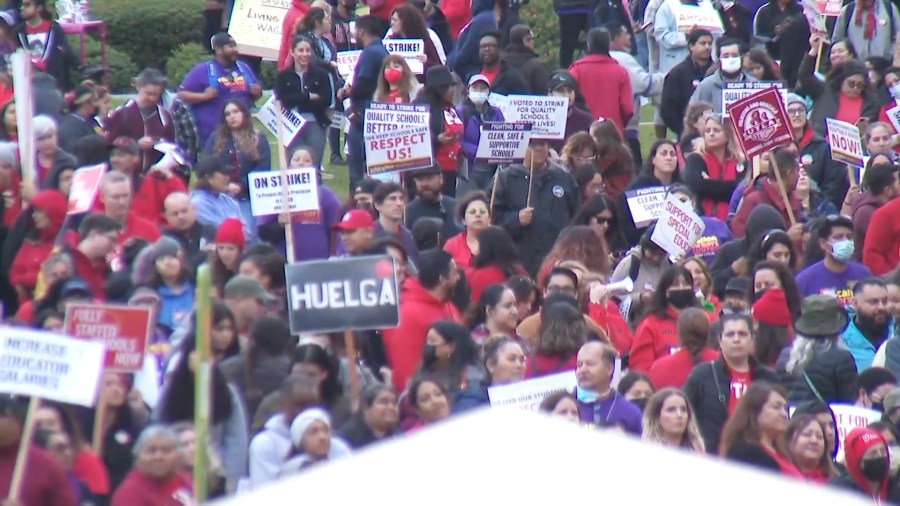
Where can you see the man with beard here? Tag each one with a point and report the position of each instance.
(836, 273)
(504, 79)
(730, 69)
(870, 321)
(430, 203)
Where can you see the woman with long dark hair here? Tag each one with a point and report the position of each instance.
(580, 243)
(493, 314)
(774, 246)
(225, 259)
(446, 126)
(613, 157)
(473, 211)
(760, 65)
(496, 261)
(504, 363)
(562, 332)
(451, 357)
(660, 170)
(693, 338)
(407, 22)
(599, 212)
(775, 275)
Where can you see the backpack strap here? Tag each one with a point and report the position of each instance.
(812, 387)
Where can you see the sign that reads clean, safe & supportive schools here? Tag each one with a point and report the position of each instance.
(358, 293)
(503, 143)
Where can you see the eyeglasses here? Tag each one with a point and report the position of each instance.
(855, 85)
(601, 220)
(585, 158)
(796, 111)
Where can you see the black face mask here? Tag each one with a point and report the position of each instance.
(758, 295)
(429, 355)
(680, 299)
(874, 469)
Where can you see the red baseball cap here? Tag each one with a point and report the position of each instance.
(355, 220)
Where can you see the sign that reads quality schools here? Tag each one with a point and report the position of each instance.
(358, 293)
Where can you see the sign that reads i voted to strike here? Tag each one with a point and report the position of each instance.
(85, 185)
(760, 122)
(503, 143)
(845, 142)
(678, 227)
(266, 192)
(410, 50)
(291, 123)
(547, 115)
(733, 91)
(645, 204)
(358, 293)
(50, 366)
(123, 331)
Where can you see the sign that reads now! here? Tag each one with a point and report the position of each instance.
(266, 193)
(358, 293)
(122, 330)
(845, 142)
(678, 227)
(503, 143)
(548, 115)
(760, 122)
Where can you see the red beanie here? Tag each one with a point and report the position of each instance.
(856, 443)
(231, 231)
(772, 308)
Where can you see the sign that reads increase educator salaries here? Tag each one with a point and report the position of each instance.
(397, 137)
(122, 330)
(265, 191)
(358, 293)
(503, 143)
(548, 115)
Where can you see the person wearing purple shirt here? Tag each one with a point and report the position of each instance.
(313, 237)
(598, 402)
(836, 274)
(210, 84)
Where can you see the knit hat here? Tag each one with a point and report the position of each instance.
(145, 264)
(438, 76)
(772, 308)
(301, 424)
(821, 316)
(793, 98)
(231, 231)
(856, 443)
(54, 205)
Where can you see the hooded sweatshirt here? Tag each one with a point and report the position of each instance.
(655, 337)
(764, 191)
(762, 219)
(606, 88)
(464, 57)
(861, 212)
(880, 252)
(268, 451)
(710, 89)
(856, 443)
(36, 249)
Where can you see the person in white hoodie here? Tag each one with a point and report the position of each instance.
(313, 443)
(269, 449)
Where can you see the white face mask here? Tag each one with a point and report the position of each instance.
(895, 90)
(479, 97)
(730, 65)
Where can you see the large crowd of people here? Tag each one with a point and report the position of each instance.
(787, 305)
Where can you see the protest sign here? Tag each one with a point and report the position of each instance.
(123, 331)
(49, 366)
(829, 8)
(410, 50)
(548, 115)
(703, 15)
(500, 102)
(256, 26)
(20, 63)
(528, 394)
(812, 10)
(357, 293)
(845, 142)
(503, 143)
(760, 122)
(266, 193)
(346, 61)
(291, 126)
(645, 204)
(397, 138)
(734, 91)
(893, 115)
(85, 185)
(678, 227)
(848, 418)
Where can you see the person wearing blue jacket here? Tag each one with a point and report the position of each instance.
(870, 321)
(474, 111)
(487, 16)
(210, 197)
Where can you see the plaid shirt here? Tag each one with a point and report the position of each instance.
(185, 131)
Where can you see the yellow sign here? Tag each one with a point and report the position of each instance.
(256, 26)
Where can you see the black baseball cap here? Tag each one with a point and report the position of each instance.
(221, 39)
(209, 165)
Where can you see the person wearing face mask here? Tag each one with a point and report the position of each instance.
(657, 334)
(450, 356)
(872, 387)
(868, 465)
(578, 118)
(599, 404)
(730, 54)
(765, 190)
(836, 273)
(474, 112)
(870, 321)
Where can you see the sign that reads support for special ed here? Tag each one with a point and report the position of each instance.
(358, 293)
(548, 115)
(291, 123)
(397, 137)
(50, 366)
(503, 143)
(645, 204)
(845, 142)
(123, 331)
(410, 50)
(678, 227)
(256, 26)
(266, 193)
(760, 122)
(733, 91)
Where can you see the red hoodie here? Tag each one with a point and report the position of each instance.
(138, 489)
(880, 253)
(856, 443)
(608, 317)
(34, 250)
(297, 12)
(403, 344)
(137, 226)
(606, 88)
(150, 197)
(673, 370)
(763, 191)
(654, 337)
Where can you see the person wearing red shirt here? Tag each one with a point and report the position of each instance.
(604, 83)
(156, 477)
(764, 190)
(116, 195)
(424, 300)
(46, 41)
(880, 245)
(446, 126)
(496, 261)
(472, 211)
(98, 235)
(458, 14)
(693, 334)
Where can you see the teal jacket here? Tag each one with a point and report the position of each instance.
(862, 349)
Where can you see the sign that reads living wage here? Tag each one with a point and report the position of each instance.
(845, 142)
(548, 115)
(760, 122)
(358, 293)
(123, 331)
(528, 394)
(256, 26)
(703, 15)
(85, 185)
(266, 192)
(503, 143)
(410, 50)
(678, 227)
(645, 204)
(736, 90)
(397, 138)
(290, 125)
(49, 366)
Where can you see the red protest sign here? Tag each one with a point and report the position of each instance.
(85, 184)
(123, 330)
(760, 122)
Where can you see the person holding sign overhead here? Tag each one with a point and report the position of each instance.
(407, 22)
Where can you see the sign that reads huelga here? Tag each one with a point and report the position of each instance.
(50, 366)
(733, 91)
(678, 227)
(397, 138)
(266, 193)
(548, 115)
(358, 293)
(123, 331)
(760, 122)
(503, 143)
(645, 204)
(290, 125)
(845, 142)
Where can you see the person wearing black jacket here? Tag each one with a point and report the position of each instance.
(520, 54)
(505, 79)
(731, 259)
(47, 42)
(660, 169)
(431, 203)
(534, 216)
(781, 26)
(683, 78)
(376, 419)
(193, 237)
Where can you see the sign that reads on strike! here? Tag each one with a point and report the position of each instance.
(122, 330)
(266, 193)
(760, 122)
(358, 293)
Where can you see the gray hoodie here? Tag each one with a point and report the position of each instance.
(710, 89)
(268, 451)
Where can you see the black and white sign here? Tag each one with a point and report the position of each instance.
(503, 143)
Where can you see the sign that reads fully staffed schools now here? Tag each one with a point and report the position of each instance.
(733, 91)
(410, 50)
(678, 227)
(548, 115)
(256, 26)
(122, 330)
(358, 293)
(291, 123)
(49, 366)
(645, 204)
(397, 138)
(845, 142)
(503, 143)
(85, 185)
(528, 394)
(760, 122)
(266, 193)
